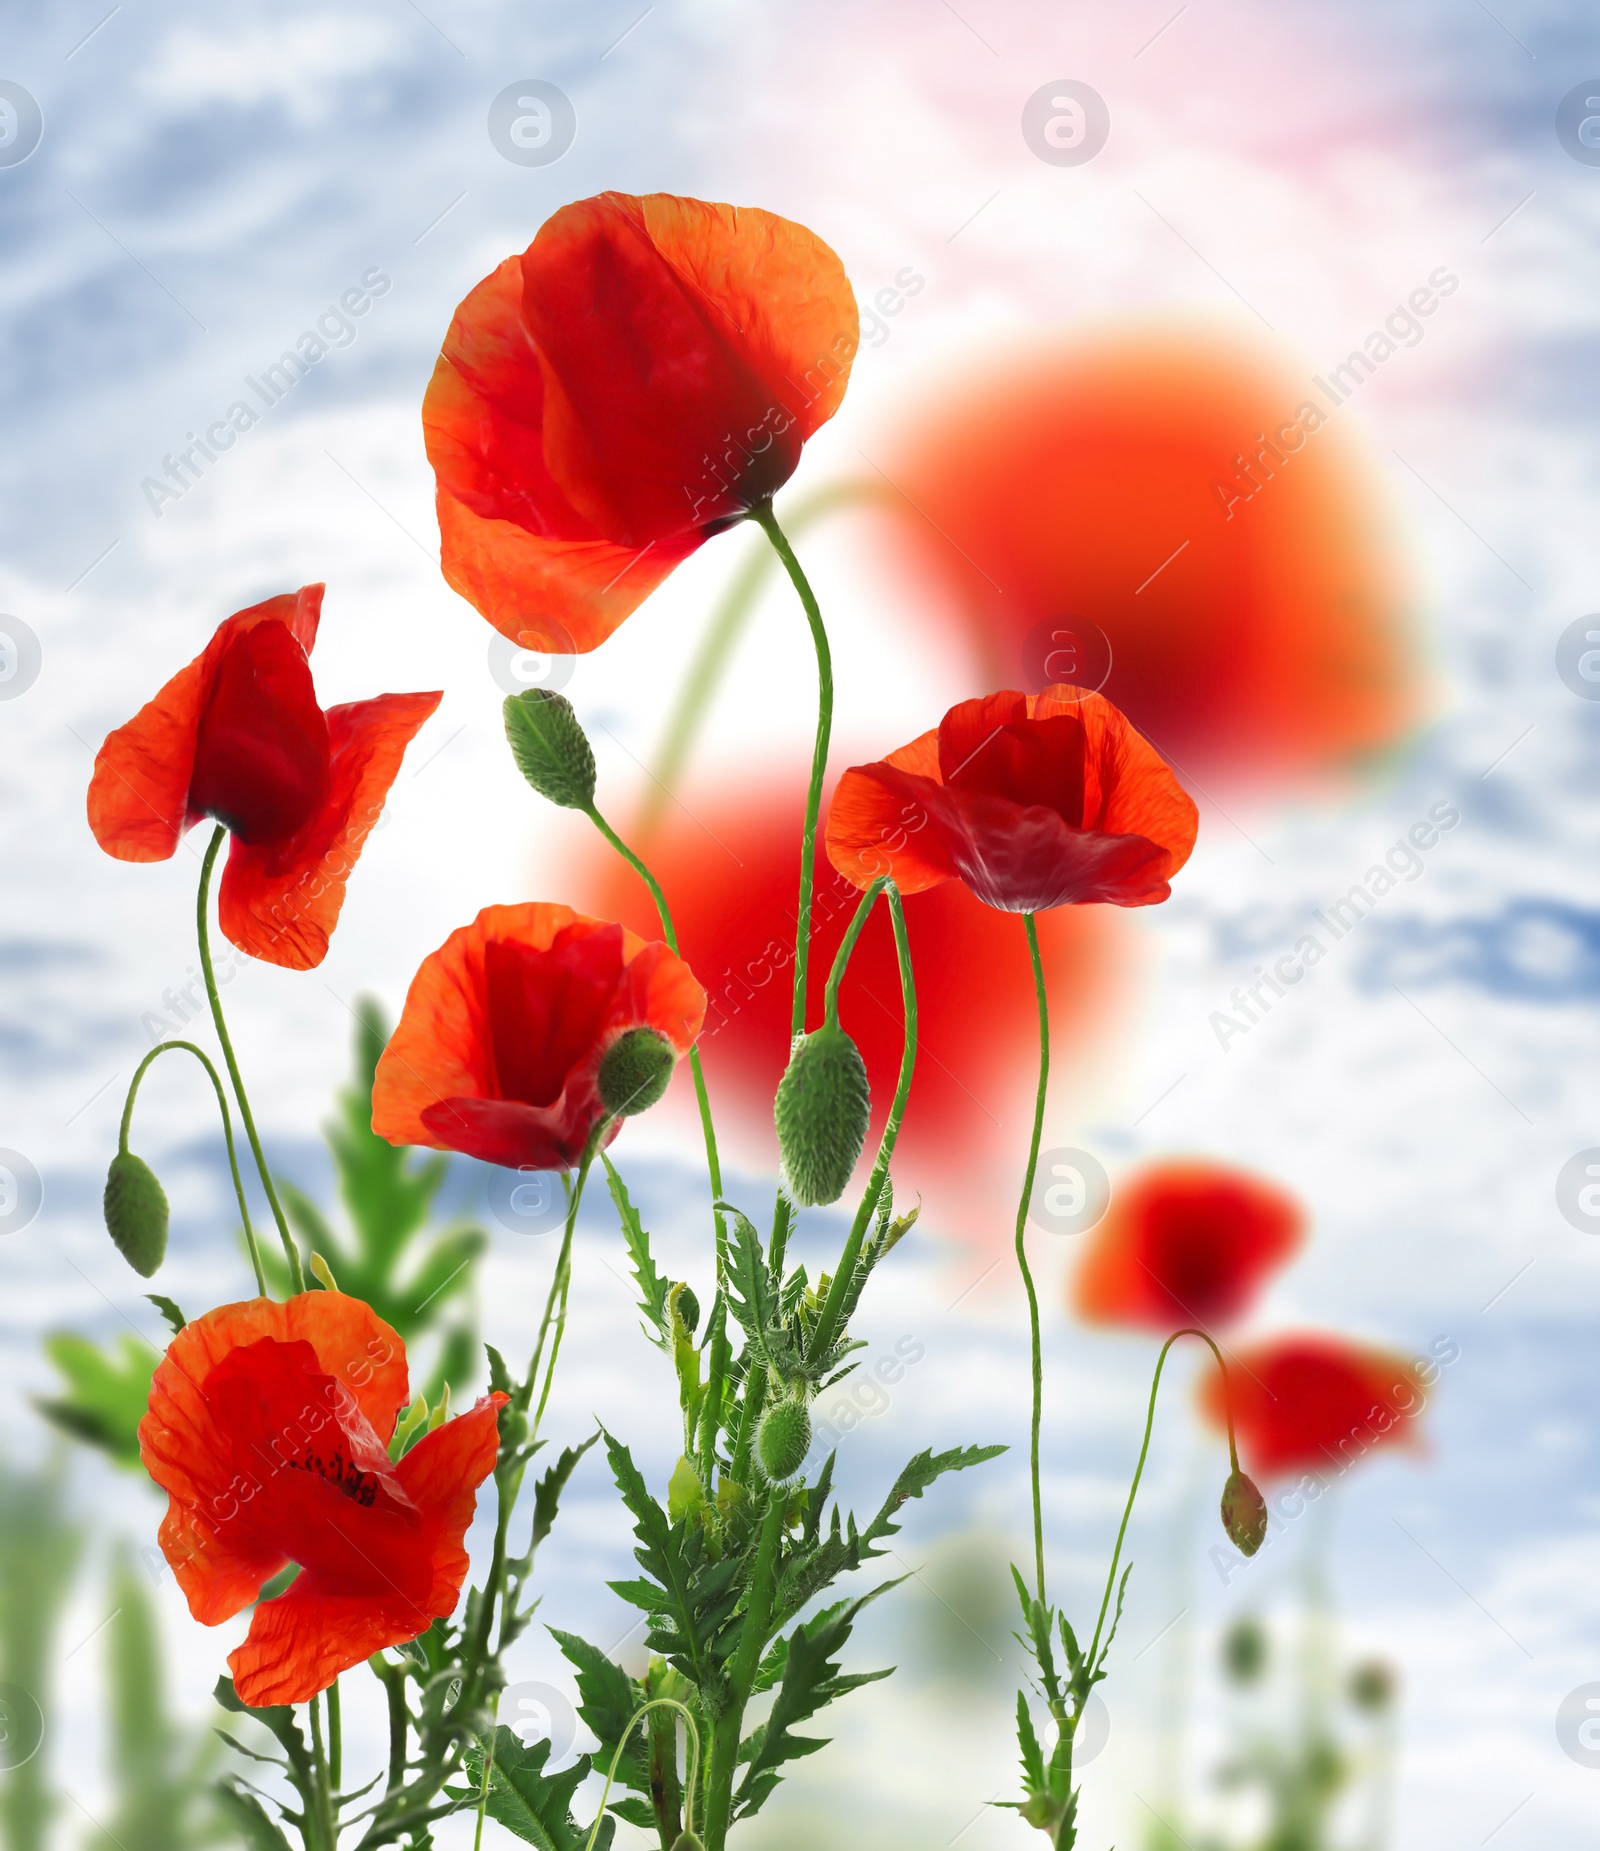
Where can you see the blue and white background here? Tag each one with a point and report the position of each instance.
(210, 180)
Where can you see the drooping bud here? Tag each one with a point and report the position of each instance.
(783, 1439)
(1244, 1513)
(136, 1213)
(550, 747)
(634, 1071)
(822, 1110)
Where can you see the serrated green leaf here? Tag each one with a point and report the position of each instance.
(653, 1288)
(607, 1699)
(547, 1493)
(810, 1680)
(533, 1805)
(168, 1309)
(1033, 1778)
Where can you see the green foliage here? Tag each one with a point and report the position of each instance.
(653, 1289)
(417, 1278)
(810, 1681)
(107, 1393)
(531, 1804)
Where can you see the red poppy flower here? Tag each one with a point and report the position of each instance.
(1033, 801)
(498, 1050)
(1175, 519)
(238, 735)
(639, 378)
(1314, 1403)
(1185, 1242)
(729, 861)
(268, 1428)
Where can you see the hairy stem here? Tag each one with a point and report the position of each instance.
(297, 1278)
(742, 1675)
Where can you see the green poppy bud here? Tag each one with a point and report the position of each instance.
(550, 747)
(1244, 1513)
(634, 1071)
(1244, 1651)
(136, 1213)
(783, 1439)
(822, 1110)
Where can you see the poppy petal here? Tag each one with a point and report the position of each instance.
(139, 794)
(301, 1641)
(280, 901)
(644, 373)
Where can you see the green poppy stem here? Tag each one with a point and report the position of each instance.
(1022, 1251)
(297, 1278)
(227, 1137)
(702, 1098)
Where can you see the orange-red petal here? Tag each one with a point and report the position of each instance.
(280, 901)
(438, 1082)
(139, 794)
(644, 373)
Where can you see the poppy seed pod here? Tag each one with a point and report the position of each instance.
(822, 1110)
(635, 1071)
(136, 1213)
(1244, 1513)
(783, 1439)
(551, 748)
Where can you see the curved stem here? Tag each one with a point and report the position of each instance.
(644, 1709)
(833, 1306)
(227, 1137)
(702, 1098)
(1022, 1250)
(1138, 1473)
(819, 754)
(841, 958)
(297, 1278)
(711, 659)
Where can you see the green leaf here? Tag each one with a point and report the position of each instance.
(653, 1288)
(249, 1818)
(690, 1598)
(547, 1493)
(107, 1395)
(607, 1700)
(168, 1310)
(811, 1680)
(1033, 1779)
(750, 1286)
(535, 1806)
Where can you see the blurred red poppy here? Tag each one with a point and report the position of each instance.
(268, 1428)
(1185, 1242)
(638, 379)
(238, 735)
(1315, 1403)
(1032, 801)
(498, 1049)
(1171, 517)
(729, 861)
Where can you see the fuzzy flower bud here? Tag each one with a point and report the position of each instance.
(136, 1213)
(634, 1071)
(822, 1110)
(550, 747)
(783, 1439)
